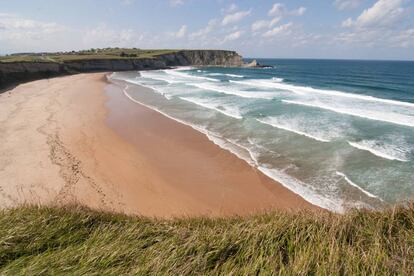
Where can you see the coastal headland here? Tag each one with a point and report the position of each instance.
(18, 68)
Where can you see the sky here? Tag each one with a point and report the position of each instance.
(343, 29)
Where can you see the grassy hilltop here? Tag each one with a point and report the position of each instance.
(76, 241)
(105, 53)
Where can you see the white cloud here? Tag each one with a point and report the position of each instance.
(19, 34)
(305, 39)
(175, 3)
(280, 10)
(347, 23)
(233, 36)
(11, 22)
(127, 2)
(232, 7)
(212, 24)
(279, 30)
(261, 24)
(103, 36)
(182, 31)
(277, 9)
(298, 12)
(378, 26)
(274, 21)
(403, 39)
(347, 4)
(234, 17)
(22, 34)
(378, 38)
(382, 13)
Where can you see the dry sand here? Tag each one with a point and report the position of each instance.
(76, 139)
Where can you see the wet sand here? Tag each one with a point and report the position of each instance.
(78, 139)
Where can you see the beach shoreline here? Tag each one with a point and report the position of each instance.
(81, 140)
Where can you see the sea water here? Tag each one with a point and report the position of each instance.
(339, 133)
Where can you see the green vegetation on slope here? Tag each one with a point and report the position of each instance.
(105, 53)
(78, 241)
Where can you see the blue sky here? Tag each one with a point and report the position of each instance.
(358, 29)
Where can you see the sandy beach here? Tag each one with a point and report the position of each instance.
(78, 139)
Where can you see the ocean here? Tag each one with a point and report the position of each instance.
(340, 133)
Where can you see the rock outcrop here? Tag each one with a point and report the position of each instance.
(16, 72)
(255, 64)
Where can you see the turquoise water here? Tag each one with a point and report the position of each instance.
(339, 133)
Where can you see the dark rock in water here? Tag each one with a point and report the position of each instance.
(255, 64)
(265, 66)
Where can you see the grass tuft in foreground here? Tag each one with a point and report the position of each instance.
(76, 240)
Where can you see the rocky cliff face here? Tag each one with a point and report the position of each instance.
(16, 72)
(208, 58)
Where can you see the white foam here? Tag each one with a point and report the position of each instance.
(264, 83)
(380, 151)
(230, 91)
(177, 73)
(291, 183)
(233, 147)
(256, 143)
(228, 75)
(302, 189)
(277, 124)
(234, 75)
(226, 110)
(308, 90)
(357, 186)
(277, 79)
(155, 89)
(160, 77)
(195, 127)
(111, 76)
(389, 117)
(183, 68)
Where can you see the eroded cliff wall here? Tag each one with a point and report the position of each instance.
(15, 72)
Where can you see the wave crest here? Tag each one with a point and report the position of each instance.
(383, 151)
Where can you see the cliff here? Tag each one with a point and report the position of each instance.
(16, 72)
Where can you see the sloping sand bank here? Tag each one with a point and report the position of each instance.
(77, 139)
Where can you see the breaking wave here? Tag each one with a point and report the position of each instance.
(389, 117)
(236, 92)
(228, 75)
(310, 90)
(381, 150)
(226, 110)
(356, 185)
(295, 128)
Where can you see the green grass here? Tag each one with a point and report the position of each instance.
(77, 241)
(107, 53)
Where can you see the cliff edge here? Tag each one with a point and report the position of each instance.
(20, 71)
